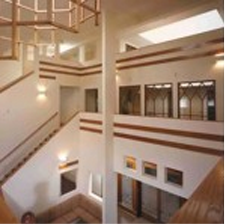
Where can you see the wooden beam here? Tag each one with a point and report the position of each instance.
(63, 27)
(87, 18)
(26, 23)
(82, 4)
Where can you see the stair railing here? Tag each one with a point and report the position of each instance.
(27, 145)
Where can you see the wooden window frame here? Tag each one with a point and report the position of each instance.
(190, 115)
(149, 165)
(177, 174)
(120, 89)
(130, 163)
(163, 114)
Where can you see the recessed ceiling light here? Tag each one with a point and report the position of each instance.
(201, 23)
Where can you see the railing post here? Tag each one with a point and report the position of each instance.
(14, 30)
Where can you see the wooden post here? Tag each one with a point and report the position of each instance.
(158, 205)
(97, 9)
(78, 15)
(120, 187)
(14, 30)
(136, 197)
(50, 10)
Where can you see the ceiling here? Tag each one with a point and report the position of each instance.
(128, 15)
(133, 16)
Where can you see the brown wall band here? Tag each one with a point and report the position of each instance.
(59, 72)
(46, 77)
(193, 148)
(171, 50)
(91, 130)
(198, 135)
(174, 59)
(91, 121)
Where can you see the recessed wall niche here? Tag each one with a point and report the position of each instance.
(68, 181)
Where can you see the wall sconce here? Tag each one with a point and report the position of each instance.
(219, 54)
(41, 92)
(41, 89)
(219, 63)
(63, 158)
(219, 59)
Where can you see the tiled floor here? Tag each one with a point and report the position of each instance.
(125, 217)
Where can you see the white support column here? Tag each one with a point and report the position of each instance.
(108, 110)
(175, 98)
(142, 97)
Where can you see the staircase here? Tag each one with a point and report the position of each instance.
(6, 215)
(11, 172)
(206, 205)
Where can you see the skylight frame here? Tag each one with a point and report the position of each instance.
(201, 23)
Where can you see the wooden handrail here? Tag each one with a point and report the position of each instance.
(28, 138)
(14, 82)
(68, 120)
(32, 153)
(206, 205)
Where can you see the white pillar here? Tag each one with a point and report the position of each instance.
(82, 53)
(108, 110)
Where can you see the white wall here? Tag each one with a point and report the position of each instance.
(36, 186)
(197, 69)
(195, 166)
(10, 70)
(62, 79)
(22, 111)
(90, 153)
(91, 82)
(190, 70)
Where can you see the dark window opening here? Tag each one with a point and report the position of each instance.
(174, 176)
(129, 97)
(91, 100)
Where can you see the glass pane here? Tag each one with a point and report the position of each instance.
(127, 192)
(149, 201)
(170, 203)
(158, 100)
(150, 169)
(174, 176)
(130, 100)
(130, 162)
(197, 100)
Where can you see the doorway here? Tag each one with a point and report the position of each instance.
(91, 100)
(69, 102)
(129, 197)
(143, 200)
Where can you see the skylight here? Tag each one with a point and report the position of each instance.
(201, 23)
(65, 47)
